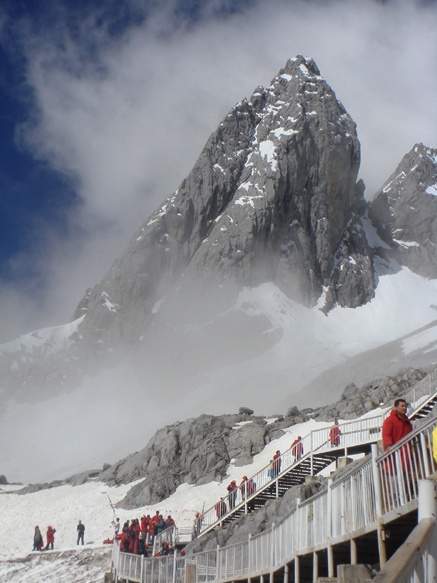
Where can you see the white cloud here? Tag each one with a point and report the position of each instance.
(127, 122)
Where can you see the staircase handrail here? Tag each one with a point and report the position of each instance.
(316, 441)
(312, 522)
(169, 535)
(422, 389)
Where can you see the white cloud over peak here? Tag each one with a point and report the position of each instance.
(125, 119)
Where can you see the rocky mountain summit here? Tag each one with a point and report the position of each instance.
(228, 287)
(405, 211)
(272, 197)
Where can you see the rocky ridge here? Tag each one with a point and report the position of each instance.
(199, 450)
(405, 211)
(272, 197)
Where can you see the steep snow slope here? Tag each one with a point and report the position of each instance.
(111, 415)
(63, 506)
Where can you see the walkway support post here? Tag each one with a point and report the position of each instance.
(218, 574)
(315, 567)
(175, 556)
(272, 554)
(249, 560)
(428, 509)
(354, 552)
(296, 569)
(329, 518)
(379, 508)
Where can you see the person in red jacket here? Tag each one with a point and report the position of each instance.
(277, 462)
(334, 434)
(151, 527)
(50, 536)
(220, 508)
(395, 427)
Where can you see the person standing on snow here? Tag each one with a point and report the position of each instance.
(50, 536)
(80, 532)
(38, 542)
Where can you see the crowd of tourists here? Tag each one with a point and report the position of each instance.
(137, 535)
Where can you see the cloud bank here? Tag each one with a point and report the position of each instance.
(124, 116)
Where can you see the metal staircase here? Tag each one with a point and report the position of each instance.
(357, 437)
(426, 408)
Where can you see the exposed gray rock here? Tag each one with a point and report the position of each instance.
(350, 390)
(195, 451)
(245, 411)
(3, 480)
(357, 401)
(272, 197)
(292, 411)
(405, 211)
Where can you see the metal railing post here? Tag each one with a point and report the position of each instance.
(428, 509)
(311, 457)
(379, 508)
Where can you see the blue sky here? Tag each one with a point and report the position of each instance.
(104, 108)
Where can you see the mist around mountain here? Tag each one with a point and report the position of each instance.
(265, 280)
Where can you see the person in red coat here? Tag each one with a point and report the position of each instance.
(50, 536)
(151, 526)
(136, 536)
(334, 435)
(395, 427)
(277, 462)
(124, 541)
(297, 448)
(220, 508)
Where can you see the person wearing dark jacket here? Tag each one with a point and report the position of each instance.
(38, 542)
(80, 532)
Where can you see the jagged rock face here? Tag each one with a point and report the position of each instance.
(272, 197)
(356, 401)
(406, 211)
(195, 451)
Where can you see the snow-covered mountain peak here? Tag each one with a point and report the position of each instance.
(405, 211)
(271, 211)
